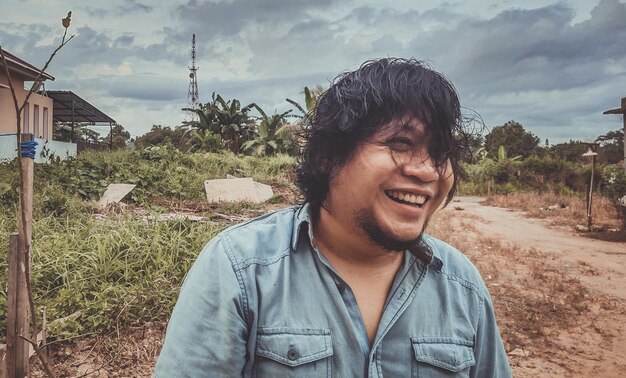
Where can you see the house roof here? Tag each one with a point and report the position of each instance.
(70, 107)
(22, 67)
(616, 111)
(621, 110)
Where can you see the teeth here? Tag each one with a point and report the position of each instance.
(407, 197)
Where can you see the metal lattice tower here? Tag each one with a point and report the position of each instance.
(192, 94)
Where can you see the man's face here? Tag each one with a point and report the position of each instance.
(390, 187)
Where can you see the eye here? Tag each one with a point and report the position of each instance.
(399, 144)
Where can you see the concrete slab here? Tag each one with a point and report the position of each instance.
(236, 190)
(114, 194)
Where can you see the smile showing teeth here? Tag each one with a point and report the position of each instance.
(408, 198)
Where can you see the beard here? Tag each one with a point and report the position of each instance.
(375, 233)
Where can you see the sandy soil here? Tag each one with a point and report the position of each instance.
(560, 300)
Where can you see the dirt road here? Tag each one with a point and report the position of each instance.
(572, 248)
(560, 297)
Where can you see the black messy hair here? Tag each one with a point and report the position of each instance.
(358, 103)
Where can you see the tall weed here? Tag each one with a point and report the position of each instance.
(115, 272)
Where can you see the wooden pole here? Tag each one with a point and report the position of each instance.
(17, 313)
(624, 120)
(25, 237)
(593, 169)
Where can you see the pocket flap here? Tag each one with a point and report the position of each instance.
(294, 346)
(447, 353)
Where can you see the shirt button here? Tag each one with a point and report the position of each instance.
(292, 354)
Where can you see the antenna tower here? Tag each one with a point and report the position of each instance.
(192, 94)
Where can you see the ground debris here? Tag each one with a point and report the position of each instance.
(519, 352)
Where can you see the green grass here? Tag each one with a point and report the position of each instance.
(123, 270)
(157, 171)
(115, 272)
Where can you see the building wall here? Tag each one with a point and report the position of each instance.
(44, 151)
(38, 121)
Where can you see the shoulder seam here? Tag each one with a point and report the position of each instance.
(261, 219)
(245, 263)
(264, 262)
(466, 283)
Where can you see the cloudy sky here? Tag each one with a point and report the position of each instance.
(553, 66)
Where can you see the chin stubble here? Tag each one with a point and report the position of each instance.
(376, 235)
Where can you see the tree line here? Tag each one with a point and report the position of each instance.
(216, 125)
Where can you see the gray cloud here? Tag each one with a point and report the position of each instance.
(229, 17)
(552, 71)
(96, 12)
(539, 49)
(148, 89)
(125, 40)
(135, 6)
(129, 6)
(537, 66)
(21, 39)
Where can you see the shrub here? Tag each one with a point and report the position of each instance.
(613, 186)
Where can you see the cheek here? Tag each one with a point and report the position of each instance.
(445, 184)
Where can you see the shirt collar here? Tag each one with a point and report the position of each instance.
(302, 223)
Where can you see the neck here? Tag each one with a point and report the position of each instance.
(347, 244)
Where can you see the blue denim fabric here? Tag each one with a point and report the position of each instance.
(260, 301)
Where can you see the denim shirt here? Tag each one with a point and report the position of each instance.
(261, 301)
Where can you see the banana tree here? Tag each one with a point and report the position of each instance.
(266, 142)
(226, 118)
(311, 96)
(205, 141)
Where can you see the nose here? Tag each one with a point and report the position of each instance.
(422, 167)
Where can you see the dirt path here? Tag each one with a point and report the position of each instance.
(560, 297)
(572, 248)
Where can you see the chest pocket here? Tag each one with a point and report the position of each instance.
(293, 352)
(442, 357)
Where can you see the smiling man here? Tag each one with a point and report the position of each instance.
(348, 284)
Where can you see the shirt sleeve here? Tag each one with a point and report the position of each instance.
(207, 333)
(489, 353)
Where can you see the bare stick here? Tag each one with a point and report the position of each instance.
(42, 356)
